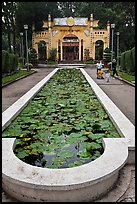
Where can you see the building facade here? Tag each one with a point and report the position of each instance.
(74, 39)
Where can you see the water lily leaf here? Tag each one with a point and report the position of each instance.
(95, 136)
(18, 142)
(22, 154)
(76, 163)
(33, 152)
(65, 154)
(84, 154)
(37, 146)
(40, 127)
(87, 133)
(96, 155)
(72, 139)
(61, 105)
(26, 138)
(80, 126)
(93, 145)
(58, 161)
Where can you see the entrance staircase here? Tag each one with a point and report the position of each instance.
(71, 65)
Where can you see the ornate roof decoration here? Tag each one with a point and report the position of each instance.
(70, 21)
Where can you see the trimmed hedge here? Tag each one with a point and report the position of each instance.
(122, 61)
(9, 62)
(133, 59)
(127, 60)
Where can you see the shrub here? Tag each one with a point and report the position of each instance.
(51, 62)
(11, 62)
(28, 66)
(89, 62)
(107, 55)
(133, 59)
(16, 62)
(5, 61)
(32, 56)
(53, 53)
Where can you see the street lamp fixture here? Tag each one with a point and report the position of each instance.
(112, 27)
(26, 27)
(27, 61)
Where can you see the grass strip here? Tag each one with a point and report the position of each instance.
(14, 76)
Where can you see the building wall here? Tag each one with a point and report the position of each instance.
(58, 29)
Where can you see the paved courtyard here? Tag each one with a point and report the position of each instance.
(121, 93)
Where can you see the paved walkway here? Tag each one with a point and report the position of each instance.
(122, 94)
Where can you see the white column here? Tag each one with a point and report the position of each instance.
(83, 49)
(61, 49)
(79, 50)
(91, 33)
(57, 51)
(108, 36)
(93, 50)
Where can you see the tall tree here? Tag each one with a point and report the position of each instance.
(67, 8)
(120, 13)
(8, 23)
(34, 13)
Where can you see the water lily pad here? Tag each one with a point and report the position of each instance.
(93, 145)
(65, 154)
(84, 154)
(22, 154)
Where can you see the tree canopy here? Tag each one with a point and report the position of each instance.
(16, 14)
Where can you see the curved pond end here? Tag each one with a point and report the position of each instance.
(83, 183)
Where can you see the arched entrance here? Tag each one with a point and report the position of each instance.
(70, 48)
(42, 55)
(99, 47)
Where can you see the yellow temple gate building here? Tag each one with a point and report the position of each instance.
(72, 38)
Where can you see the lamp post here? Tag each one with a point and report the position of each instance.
(27, 61)
(117, 48)
(22, 49)
(112, 27)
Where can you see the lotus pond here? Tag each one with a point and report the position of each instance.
(63, 125)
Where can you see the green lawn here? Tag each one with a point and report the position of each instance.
(124, 75)
(13, 77)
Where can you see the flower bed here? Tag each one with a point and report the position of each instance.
(63, 125)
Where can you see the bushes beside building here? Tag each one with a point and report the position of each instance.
(9, 62)
(106, 57)
(127, 61)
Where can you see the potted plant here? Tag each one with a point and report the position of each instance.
(33, 57)
(107, 57)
